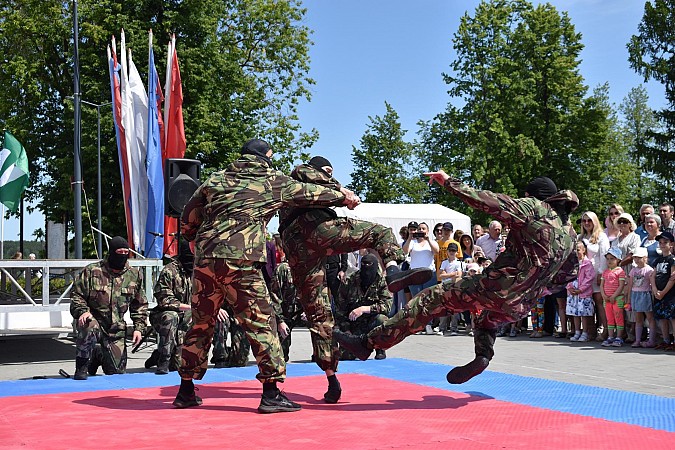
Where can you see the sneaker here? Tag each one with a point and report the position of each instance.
(607, 342)
(278, 403)
(380, 354)
(453, 333)
(358, 345)
(500, 334)
(471, 333)
(429, 330)
(537, 334)
(575, 338)
(647, 344)
(618, 342)
(513, 333)
(397, 279)
(583, 338)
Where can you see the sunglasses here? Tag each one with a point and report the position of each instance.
(623, 222)
(615, 213)
(586, 220)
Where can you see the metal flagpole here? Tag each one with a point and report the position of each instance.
(77, 172)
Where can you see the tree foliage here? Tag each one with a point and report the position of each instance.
(519, 108)
(652, 55)
(383, 165)
(244, 66)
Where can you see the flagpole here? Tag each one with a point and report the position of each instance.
(77, 170)
(2, 233)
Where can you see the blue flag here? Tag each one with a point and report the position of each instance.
(154, 234)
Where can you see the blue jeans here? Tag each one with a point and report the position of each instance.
(416, 288)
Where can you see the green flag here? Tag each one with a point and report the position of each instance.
(13, 172)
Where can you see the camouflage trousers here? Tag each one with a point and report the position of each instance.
(240, 283)
(236, 354)
(111, 354)
(362, 325)
(171, 327)
(439, 301)
(306, 247)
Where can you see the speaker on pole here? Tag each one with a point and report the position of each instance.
(181, 180)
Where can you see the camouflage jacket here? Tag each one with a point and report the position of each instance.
(351, 296)
(539, 251)
(108, 296)
(173, 287)
(308, 174)
(227, 215)
(284, 295)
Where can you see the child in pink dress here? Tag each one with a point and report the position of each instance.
(640, 288)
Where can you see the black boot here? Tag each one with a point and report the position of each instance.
(162, 368)
(81, 367)
(380, 354)
(186, 397)
(397, 279)
(357, 344)
(462, 374)
(334, 391)
(152, 360)
(96, 360)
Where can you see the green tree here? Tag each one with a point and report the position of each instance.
(244, 66)
(651, 54)
(383, 171)
(519, 107)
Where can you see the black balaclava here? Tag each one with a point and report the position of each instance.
(541, 188)
(186, 257)
(257, 147)
(368, 271)
(319, 162)
(115, 260)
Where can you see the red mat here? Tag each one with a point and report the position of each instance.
(374, 413)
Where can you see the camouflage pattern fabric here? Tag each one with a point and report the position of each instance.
(285, 303)
(307, 241)
(351, 296)
(173, 287)
(236, 354)
(539, 254)
(111, 353)
(226, 217)
(108, 296)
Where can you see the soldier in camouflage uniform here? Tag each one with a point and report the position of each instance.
(236, 354)
(226, 218)
(171, 318)
(101, 296)
(363, 302)
(539, 254)
(286, 305)
(311, 234)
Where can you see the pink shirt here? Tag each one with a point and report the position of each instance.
(585, 277)
(612, 279)
(641, 279)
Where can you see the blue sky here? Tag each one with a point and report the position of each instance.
(367, 52)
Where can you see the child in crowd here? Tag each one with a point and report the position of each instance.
(663, 279)
(639, 288)
(537, 318)
(451, 271)
(580, 303)
(611, 287)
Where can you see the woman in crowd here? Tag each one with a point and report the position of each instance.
(422, 251)
(611, 230)
(652, 224)
(469, 249)
(597, 245)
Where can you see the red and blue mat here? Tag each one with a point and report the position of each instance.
(395, 403)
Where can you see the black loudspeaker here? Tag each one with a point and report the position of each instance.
(181, 180)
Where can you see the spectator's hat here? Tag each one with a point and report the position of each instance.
(615, 252)
(628, 217)
(640, 252)
(448, 226)
(413, 224)
(452, 247)
(473, 266)
(666, 235)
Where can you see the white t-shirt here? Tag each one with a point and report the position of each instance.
(421, 255)
(596, 253)
(449, 267)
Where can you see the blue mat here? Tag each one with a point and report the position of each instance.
(617, 406)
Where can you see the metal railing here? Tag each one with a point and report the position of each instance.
(55, 295)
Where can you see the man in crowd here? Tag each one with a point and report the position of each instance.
(667, 222)
(226, 218)
(171, 317)
(476, 232)
(491, 242)
(102, 294)
(364, 301)
(309, 235)
(645, 210)
(539, 254)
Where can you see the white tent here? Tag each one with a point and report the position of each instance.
(396, 216)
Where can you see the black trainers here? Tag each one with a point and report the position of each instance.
(162, 368)
(380, 354)
(152, 360)
(398, 280)
(278, 403)
(186, 399)
(462, 374)
(332, 395)
(353, 343)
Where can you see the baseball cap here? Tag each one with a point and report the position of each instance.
(448, 226)
(640, 252)
(413, 224)
(666, 235)
(615, 252)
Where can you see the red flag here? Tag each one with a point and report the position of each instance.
(174, 141)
